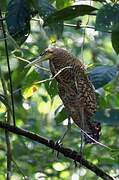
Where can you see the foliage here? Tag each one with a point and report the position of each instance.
(31, 27)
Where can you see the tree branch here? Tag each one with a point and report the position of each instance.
(65, 151)
(79, 26)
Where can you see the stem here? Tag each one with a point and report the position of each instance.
(7, 136)
(79, 26)
(83, 26)
(9, 71)
(19, 170)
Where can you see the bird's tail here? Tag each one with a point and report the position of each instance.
(90, 129)
(92, 136)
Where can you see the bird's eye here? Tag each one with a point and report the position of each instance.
(50, 50)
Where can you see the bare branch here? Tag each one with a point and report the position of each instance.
(83, 26)
(65, 151)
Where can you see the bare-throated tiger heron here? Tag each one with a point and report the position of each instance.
(75, 89)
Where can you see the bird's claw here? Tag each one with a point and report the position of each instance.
(57, 144)
(75, 163)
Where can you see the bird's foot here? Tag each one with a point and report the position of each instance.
(75, 163)
(57, 145)
(79, 156)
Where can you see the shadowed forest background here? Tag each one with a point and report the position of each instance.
(90, 31)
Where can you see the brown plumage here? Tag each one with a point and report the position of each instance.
(75, 90)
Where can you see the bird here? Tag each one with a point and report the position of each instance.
(75, 90)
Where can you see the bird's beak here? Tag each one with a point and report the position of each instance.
(39, 60)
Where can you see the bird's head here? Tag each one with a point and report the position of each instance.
(51, 54)
(45, 55)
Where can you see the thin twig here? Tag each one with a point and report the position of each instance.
(7, 136)
(52, 78)
(9, 70)
(25, 60)
(70, 25)
(83, 26)
(84, 36)
(79, 26)
(51, 144)
(18, 168)
(97, 142)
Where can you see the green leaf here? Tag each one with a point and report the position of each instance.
(101, 75)
(45, 9)
(51, 88)
(64, 3)
(115, 38)
(107, 16)
(115, 153)
(69, 13)
(30, 78)
(28, 92)
(4, 101)
(3, 5)
(60, 114)
(18, 20)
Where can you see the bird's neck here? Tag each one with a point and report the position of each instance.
(61, 62)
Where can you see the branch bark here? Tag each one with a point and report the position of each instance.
(65, 151)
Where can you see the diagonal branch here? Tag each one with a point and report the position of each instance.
(65, 151)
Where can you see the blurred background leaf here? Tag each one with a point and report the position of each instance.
(107, 16)
(18, 20)
(101, 75)
(45, 9)
(70, 12)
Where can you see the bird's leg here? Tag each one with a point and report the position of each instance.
(82, 134)
(59, 142)
(67, 130)
(82, 123)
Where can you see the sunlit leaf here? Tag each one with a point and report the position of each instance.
(101, 75)
(5, 102)
(18, 20)
(60, 114)
(107, 16)
(63, 3)
(69, 13)
(28, 92)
